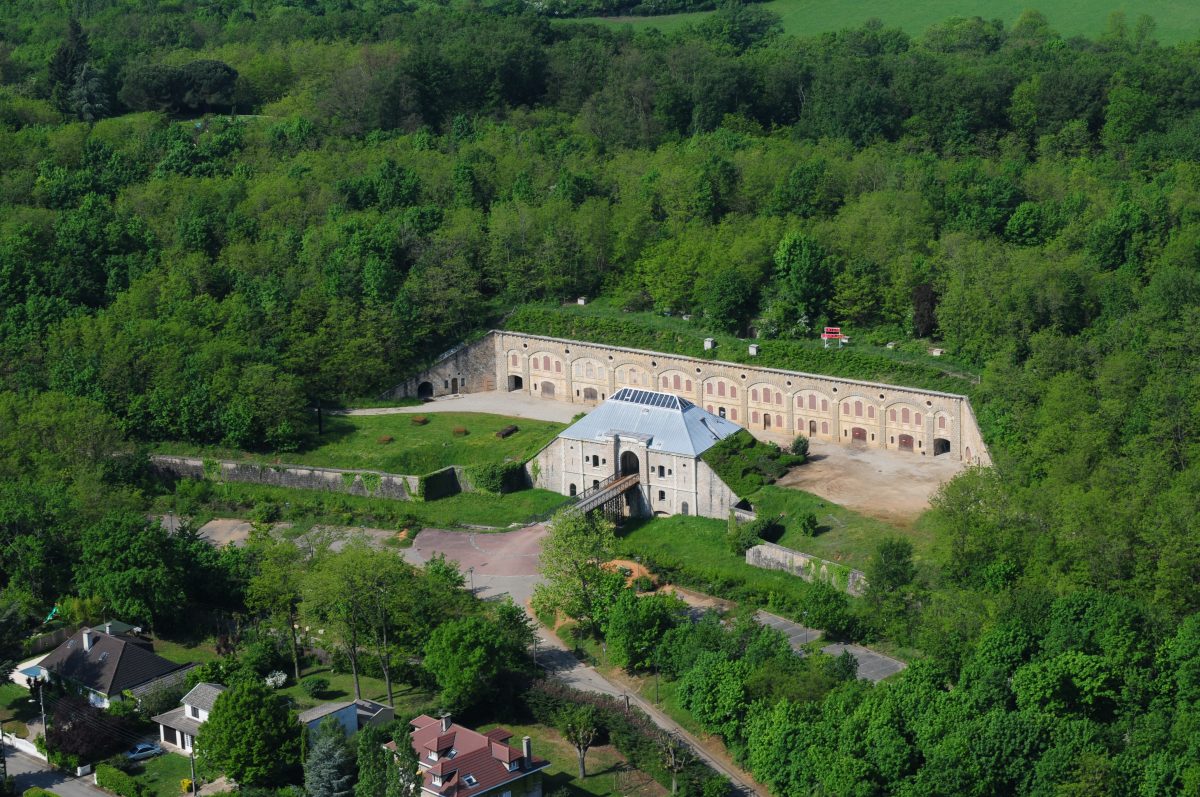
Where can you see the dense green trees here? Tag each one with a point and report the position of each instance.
(251, 735)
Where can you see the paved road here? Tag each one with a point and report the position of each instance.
(871, 665)
(497, 402)
(31, 772)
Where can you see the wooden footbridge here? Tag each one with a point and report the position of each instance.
(607, 495)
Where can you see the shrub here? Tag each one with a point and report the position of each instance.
(117, 782)
(460, 431)
(35, 791)
(385, 439)
(276, 679)
(643, 584)
(799, 446)
(741, 537)
(314, 686)
(807, 525)
(419, 420)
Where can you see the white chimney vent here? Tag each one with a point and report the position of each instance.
(87, 639)
(445, 722)
(527, 749)
(753, 349)
(709, 343)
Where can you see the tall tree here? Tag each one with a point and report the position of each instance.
(275, 588)
(66, 63)
(572, 557)
(131, 564)
(480, 658)
(580, 727)
(329, 765)
(251, 735)
(374, 762)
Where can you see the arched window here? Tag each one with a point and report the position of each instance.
(662, 495)
(516, 360)
(766, 420)
(708, 389)
(917, 419)
(754, 394)
(824, 427)
(721, 411)
(905, 415)
(779, 421)
(824, 405)
(545, 363)
(858, 409)
(683, 508)
(870, 411)
(754, 417)
(732, 391)
(892, 415)
(720, 388)
(708, 407)
(558, 366)
(812, 401)
(778, 398)
(595, 461)
(733, 415)
(572, 490)
(661, 471)
(590, 370)
(675, 381)
(941, 421)
(845, 409)
(688, 385)
(663, 381)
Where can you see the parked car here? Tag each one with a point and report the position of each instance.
(143, 751)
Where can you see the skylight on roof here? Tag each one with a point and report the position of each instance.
(469, 780)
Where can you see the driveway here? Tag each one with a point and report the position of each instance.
(496, 402)
(872, 666)
(494, 564)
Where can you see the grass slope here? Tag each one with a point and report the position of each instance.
(356, 442)
(1177, 20)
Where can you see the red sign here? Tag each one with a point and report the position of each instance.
(832, 333)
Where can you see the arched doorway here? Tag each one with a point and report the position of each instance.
(548, 389)
(515, 383)
(425, 390)
(590, 394)
(940, 446)
(968, 453)
(454, 385)
(906, 442)
(683, 508)
(812, 428)
(858, 434)
(766, 420)
(629, 463)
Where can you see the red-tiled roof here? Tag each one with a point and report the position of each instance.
(482, 757)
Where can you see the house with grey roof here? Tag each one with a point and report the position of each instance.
(646, 444)
(352, 715)
(178, 728)
(109, 667)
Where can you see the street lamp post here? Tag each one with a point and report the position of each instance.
(805, 616)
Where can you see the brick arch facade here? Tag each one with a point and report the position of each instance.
(488, 362)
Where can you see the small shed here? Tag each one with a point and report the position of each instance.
(346, 714)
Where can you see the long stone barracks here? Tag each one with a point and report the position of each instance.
(773, 404)
(640, 450)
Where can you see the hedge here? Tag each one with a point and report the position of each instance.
(632, 732)
(112, 779)
(36, 791)
(497, 477)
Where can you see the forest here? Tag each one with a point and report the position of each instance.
(217, 216)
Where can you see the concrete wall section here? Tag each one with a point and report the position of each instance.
(770, 556)
(389, 485)
(774, 404)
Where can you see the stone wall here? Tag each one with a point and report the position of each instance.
(773, 404)
(354, 482)
(770, 556)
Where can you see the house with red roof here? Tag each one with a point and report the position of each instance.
(457, 761)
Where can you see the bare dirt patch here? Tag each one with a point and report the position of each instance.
(893, 486)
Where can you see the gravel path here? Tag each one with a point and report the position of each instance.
(497, 402)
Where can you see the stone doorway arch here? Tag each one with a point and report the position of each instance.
(425, 390)
(629, 463)
(940, 446)
(906, 442)
(548, 389)
(858, 434)
(515, 383)
(812, 428)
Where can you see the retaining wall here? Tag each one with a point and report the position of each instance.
(373, 484)
(770, 556)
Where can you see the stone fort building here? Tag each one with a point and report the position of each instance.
(773, 404)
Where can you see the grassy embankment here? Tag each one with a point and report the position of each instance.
(1176, 21)
(395, 444)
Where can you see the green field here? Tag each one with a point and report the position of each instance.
(161, 775)
(361, 442)
(608, 771)
(15, 708)
(1177, 21)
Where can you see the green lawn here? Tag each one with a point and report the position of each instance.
(843, 536)
(15, 708)
(1177, 20)
(362, 442)
(162, 774)
(608, 771)
(341, 687)
(183, 652)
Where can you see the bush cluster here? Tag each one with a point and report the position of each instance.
(112, 779)
(741, 537)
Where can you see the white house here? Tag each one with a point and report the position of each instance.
(179, 726)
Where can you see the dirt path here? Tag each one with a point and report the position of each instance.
(893, 486)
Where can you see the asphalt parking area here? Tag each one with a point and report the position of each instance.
(493, 563)
(872, 666)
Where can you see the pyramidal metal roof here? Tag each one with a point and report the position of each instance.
(666, 422)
